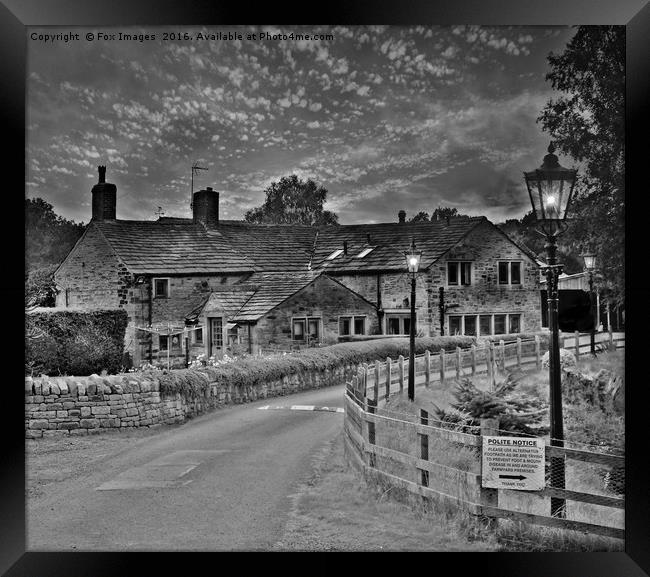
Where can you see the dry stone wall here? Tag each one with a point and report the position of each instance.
(60, 406)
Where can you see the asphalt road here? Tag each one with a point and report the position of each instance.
(222, 481)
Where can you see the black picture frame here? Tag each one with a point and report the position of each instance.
(17, 15)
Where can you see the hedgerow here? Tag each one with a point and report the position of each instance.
(69, 342)
(248, 371)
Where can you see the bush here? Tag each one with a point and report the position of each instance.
(543, 338)
(567, 360)
(69, 342)
(251, 370)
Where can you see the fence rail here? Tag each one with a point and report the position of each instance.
(580, 343)
(420, 457)
(392, 374)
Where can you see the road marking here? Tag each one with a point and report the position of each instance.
(168, 471)
(302, 408)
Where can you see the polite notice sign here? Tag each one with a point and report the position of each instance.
(513, 463)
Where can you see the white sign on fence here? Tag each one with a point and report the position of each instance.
(513, 463)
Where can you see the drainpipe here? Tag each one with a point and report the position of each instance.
(150, 319)
(380, 312)
(441, 308)
(250, 342)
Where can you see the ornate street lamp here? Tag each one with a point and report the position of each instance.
(590, 266)
(550, 188)
(412, 264)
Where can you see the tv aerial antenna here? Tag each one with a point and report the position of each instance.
(195, 170)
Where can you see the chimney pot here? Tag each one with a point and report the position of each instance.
(401, 215)
(104, 198)
(205, 207)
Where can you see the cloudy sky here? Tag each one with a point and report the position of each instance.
(385, 118)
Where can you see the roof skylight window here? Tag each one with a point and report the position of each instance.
(365, 251)
(335, 254)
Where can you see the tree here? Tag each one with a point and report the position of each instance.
(440, 213)
(588, 124)
(293, 201)
(49, 237)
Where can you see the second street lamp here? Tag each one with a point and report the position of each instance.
(550, 188)
(412, 265)
(590, 265)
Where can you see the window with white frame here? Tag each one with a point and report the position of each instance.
(365, 252)
(161, 288)
(352, 325)
(336, 253)
(198, 335)
(485, 324)
(459, 273)
(509, 272)
(305, 329)
(398, 323)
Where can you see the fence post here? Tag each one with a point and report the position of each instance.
(489, 358)
(371, 431)
(427, 368)
(489, 497)
(538, 360)
(518, 352)
(376, 387)
(442, 366)
(366, 372)
(611, 337)
(473, 359)
(355, 386)
(400, 361)
(424, 448)
(577, 344)
(459, 362)
(389, 366)
(502, 354)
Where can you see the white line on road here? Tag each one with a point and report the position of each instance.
(303, 408)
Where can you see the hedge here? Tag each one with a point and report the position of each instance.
(544, 337)
(249, 371)
(73, 342)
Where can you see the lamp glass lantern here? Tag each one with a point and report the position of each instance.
(590, 261)
(413, 257)
(550, 188)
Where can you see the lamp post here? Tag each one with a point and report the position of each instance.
(590, 265)
(550, 188)
(412, 264)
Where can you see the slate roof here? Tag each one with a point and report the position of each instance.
(178, 246)
(271, 247)
(273, 289)
(388, 242)
(152, 247)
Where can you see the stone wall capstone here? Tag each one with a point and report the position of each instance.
(61, 406)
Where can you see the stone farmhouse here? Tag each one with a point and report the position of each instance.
(218, 284)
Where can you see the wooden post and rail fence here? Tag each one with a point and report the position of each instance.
(488, 359)
(422, 461)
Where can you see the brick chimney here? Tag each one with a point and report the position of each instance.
(205, 207)
(104, 198)
(401, 215)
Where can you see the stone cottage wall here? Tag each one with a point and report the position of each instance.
(325, 299)
(484, 246)
(64, 406)
(92, 276)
